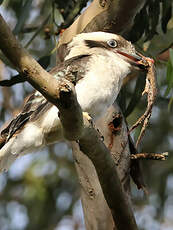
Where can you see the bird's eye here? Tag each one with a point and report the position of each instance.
(112, 43)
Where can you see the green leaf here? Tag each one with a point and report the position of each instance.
(153, 17)
(160, 42)
(171, 56)
(121, 99)
(44, 61)
(166, 13)
(1, 1)
(170, 104)
(140, 83)
(169, 77)
(140, 23)
(24, 12)
(154, 13)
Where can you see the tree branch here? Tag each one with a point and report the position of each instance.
(112, 16)
(14, 80)
(61, 93)
(55, 90)
(91, 143)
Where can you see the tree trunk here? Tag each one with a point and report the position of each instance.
(96, 211)
(116, 17)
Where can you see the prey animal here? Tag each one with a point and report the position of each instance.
(96, 63)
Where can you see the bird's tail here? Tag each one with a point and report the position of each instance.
(6, 157)
(30, 139)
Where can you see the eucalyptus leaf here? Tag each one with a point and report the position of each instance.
(24, 12)
(170, 104)
(58, 18)
(153, 13)
(140, 83)
(140, 23)
(160, 42)
(44, 61)
(171, 56)
(166, 13)
(169, 77)
(121, 99)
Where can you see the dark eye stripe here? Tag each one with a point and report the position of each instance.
(105, 45)
(93, 44)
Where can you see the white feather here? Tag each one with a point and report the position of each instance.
(97, 92)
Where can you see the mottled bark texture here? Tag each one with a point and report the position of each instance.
(92, 144)
(96, 211)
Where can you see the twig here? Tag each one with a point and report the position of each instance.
(14, 80)
(150, 156)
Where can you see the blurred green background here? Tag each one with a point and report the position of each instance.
(41, 190)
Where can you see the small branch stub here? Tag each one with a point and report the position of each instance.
(70, 112)
(13, 81)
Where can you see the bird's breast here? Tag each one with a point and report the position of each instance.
(98, 90)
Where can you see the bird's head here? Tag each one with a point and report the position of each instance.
(106, 44)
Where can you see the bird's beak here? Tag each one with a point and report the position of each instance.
(135, 59)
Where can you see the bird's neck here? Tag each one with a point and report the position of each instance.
(108, 69)
(101, 85)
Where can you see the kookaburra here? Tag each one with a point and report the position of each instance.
(101, 61)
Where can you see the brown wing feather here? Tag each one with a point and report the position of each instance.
(36, 105)
(31, 107)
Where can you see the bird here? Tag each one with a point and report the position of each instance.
(96, 63)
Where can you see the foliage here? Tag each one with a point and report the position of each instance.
(154, 13)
